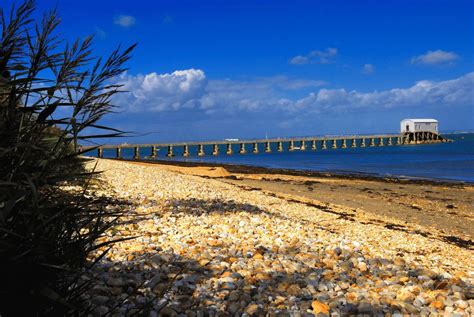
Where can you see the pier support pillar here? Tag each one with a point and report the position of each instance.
(100, 152)
(313, 145)
(406, 138)
(229, 149)
(215, 149)
(372, 142)
(380, 142)
(201, 150)
(362, 143)
(185, 150)
(291, 146)
(389, 141)
(280, 146)
(334, 144)
(354, 143)
(118, 152)
(344, 144)
(242, 148)
(303, 145)
(153, 152)
(255, 148)
(170, 151)
(324, 145)
(268, 149)
(136, 153)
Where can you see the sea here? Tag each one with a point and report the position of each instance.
(453, 161)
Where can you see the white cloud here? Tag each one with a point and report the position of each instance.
(424, 93)
(368, 69)
(190, 88)
(125, 20)
(324, 57)
(316, 57)
(299, 60)
(438, 57)
(160, 92)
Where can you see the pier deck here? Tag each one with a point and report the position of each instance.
(293, 143)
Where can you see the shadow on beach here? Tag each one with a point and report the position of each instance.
(226, 277)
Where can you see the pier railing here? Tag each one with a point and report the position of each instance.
(230, 147)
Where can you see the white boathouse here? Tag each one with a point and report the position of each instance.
(419, 125)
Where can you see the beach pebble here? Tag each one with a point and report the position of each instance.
(208, 248)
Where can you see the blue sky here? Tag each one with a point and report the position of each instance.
(218, 69)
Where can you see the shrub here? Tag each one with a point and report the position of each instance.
(52, 95)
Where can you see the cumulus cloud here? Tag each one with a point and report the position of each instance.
(316, 57)
(125, 20)
(438, 57)
(299, 60)
(160, 92)
(190, 89)
(454, 92)
(368, 69)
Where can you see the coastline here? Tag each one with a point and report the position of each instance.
(434, 208)
(251, 169)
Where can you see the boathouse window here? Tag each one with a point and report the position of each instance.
(408, 128)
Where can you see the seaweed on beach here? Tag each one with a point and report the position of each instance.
(52, 97)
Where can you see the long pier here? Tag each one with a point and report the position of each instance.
(230, 147)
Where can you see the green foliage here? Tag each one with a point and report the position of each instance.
(52, 95)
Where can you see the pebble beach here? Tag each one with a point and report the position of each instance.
(203, 247)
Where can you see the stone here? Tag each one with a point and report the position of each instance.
(437, 304)
(234, 307)
(99, 300)
(405, 295)
(362, 266)
(461, 304)
(469, 293)
(228, 286)
(100, 311)
(234, 296)
(293, 289)
(117, 282)
(409, 308)
(167, 311)
(279, 300)
(366, 308)
(349, 309)
(319, 307)
(251, 309)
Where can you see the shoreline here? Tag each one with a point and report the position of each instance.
(251, 169)
(431, 208)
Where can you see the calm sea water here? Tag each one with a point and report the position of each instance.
(444, 161)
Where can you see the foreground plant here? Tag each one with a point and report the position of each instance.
(51, 94)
